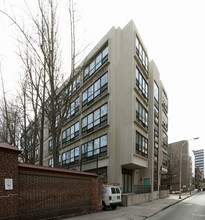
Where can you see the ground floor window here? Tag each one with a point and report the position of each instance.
(127, 180)
(102, 172)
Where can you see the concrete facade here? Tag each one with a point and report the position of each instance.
(115, 129)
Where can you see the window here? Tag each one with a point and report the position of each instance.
(127, 180)
(164, 159)
(50, 146)
(73, 86)
(70, 134)
(95, 90)
(73, 110)
(70, 157)
(36, 154)
(141, 114)
(142, 55)
(102, 172)
(164, 100)
(94, 147)
(96, 63)
(141, 84)
(97, 117)
(164, 119)
(57, 120)
(50, 162)
(141, 145)
(94, 119)
(156, 92)
(165, 139)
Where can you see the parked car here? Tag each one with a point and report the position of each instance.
(111, 196)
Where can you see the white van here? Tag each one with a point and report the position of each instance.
(111, 196)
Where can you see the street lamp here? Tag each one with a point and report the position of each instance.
(180, 165)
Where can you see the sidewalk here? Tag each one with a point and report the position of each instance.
(139, 212)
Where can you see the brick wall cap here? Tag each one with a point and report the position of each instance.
(9, 147)
(59, 170)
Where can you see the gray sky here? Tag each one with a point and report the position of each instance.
(173, 33)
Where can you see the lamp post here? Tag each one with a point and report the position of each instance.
(180, 165)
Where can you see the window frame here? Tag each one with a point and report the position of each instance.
(96, 63)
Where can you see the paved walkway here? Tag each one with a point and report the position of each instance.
(138, 212)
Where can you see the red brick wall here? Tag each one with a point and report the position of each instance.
(46, 192)
(8, 170)
(43, 192)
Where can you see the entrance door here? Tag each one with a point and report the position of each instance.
(147, 185)
(127, 180)
(147, 181)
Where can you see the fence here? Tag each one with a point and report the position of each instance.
(163, 187)
(34, 192)
(141, 189)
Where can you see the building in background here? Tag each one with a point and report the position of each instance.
(198, 177)
(117, 125)
(187, 170)
(199, 159)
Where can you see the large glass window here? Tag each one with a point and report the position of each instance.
(94, 147)
(164, 100)
(72, 87)
(51, 162)
(164, 119)
(50, 146)
(141, 84)
(70, 133)
(73, 109)
(156, 92)
(70, 157)
(141, 145)
(36, 154)
(141, 114)
(94, 119)
(95, 90)
(96, 63)
(57, 120)
(142, 55)
(127, 180)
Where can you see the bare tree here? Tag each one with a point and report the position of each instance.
(173, 162)
(42, 88)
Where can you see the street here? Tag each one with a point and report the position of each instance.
(146, 210)
(190, 209)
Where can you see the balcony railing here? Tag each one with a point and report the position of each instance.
(141, 189)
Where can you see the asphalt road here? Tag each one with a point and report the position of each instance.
(192, 208)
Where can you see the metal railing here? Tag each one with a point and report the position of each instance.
(141, 189)
(163, 187)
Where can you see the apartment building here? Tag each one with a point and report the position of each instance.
(117, 125)
(199, 159)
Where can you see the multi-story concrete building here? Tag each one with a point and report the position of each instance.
(199, 159)
(117, 125)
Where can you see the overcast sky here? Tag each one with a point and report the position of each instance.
(173, 32)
